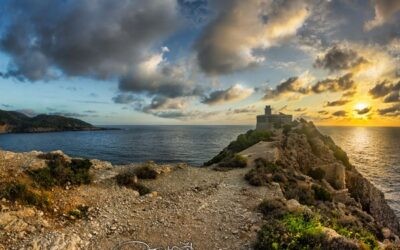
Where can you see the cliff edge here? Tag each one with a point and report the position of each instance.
(287, 188)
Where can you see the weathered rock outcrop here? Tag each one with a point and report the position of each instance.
(305, 148)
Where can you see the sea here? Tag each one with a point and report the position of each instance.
(375, 151)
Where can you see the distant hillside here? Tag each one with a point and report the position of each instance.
(15, 122)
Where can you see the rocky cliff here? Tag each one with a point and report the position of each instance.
(290, 188)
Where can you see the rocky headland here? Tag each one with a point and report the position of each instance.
(16, 122)
(288, 188)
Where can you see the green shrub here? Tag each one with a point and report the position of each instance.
(59, 172)
(261, 174)
(128, 179)
(321, 193)
(237, 161)
(145, 172)
(241, 143)
(273, 208)
(362, 235)
(301, 194)
(286, 129)
(293, 231)
(317, 173)
(16, 191)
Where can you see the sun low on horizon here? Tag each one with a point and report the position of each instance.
(336, 63)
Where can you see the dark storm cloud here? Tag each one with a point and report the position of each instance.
(291, 85)
(337, 58)
(386, 89)
(296, 85)
(394, 96)
(363, 111)
(336, 103)
(381, 89)
(323, 112)
(234, 93)
(100, 39)
(393, 110)
(340, 113)
(334, 85)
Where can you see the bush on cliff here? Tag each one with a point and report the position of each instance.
(293, 231)
(261, 174)
(321, 193)
(129, 180)
(145, 171)
(60, 172)
(16, 191)
(317, 173)
(242, 142)
(237, 161)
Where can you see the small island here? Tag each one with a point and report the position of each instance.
(16, 122)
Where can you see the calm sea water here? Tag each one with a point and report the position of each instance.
(374, 151)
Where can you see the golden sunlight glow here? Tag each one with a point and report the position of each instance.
(360, 106)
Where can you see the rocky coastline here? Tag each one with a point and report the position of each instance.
(292, 185)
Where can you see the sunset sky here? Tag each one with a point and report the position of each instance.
(202, 61)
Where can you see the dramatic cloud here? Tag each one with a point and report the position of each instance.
(291, 85)
(394, 96)
(363, 111)
(385, 11)
(390, 111)
(337, 103)
(323, 112)
(300, 85)
(164, 103)
(334, 85)
(232, 94)
(155, 76)
(339, 58)
(386, 89)
(340, 113)
(100, 39)
(229, 42)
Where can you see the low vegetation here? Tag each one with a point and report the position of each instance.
(145, 171)
(237, 161)
(61, 172)
(80, 212)
(317, 173)
(262, 173)
(321, 193)
(16, 191)
(242, 142)
(293, 231)
(129, 180)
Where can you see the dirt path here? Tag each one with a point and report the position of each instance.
(202, 207)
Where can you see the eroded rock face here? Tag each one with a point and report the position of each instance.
(303, 152)
(372, 200)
